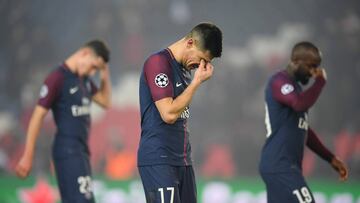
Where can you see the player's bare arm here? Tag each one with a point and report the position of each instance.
(24, 166)
(170, 109)
(103, 96)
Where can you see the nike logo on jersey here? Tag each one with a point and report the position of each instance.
(74, 90)
(178, 84)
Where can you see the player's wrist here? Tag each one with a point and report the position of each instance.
(104, 76)
(334, 159)
(196, 82)
(28, 156)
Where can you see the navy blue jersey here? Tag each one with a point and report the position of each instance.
(69, 98)
(286, 122)
(162, 143)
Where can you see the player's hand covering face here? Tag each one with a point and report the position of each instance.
(319, 72)
(90, 63)
(306, 67)
(204, 71)
(193, 56)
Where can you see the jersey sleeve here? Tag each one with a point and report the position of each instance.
(158, 76)
(50, 89)
(283, 90)
(314, 143)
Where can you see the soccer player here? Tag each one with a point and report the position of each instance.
(166, 90)
(288, 129)
(68, 92)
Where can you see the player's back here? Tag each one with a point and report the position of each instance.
(162, 143)
(286, 128)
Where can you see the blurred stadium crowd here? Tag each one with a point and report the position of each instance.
(227, 115)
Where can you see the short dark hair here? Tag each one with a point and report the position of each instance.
(303, 46)
(100, 49)
(210, 37)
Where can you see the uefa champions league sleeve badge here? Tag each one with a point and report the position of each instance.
(161, 80)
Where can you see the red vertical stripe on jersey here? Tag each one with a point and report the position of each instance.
(185, 143)
(170, 52)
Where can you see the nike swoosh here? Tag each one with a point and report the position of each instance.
(178, 84)
(73, 90)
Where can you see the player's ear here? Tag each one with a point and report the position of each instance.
(190, 42)
(294, 64)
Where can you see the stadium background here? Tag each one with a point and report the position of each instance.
(227, 114)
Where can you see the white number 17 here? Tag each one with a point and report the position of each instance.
(161, 190)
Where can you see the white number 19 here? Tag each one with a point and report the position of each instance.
(303, 195)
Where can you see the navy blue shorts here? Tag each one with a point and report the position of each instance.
(73, 175)
(287, 187)
(169, 184)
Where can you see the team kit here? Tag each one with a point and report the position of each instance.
(168, 82)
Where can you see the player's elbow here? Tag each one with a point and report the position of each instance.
(169, 118)
(104, 104)
(296, 108)
(107, 104)
(299, 107)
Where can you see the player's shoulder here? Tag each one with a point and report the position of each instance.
(280, 77)
(56, 74)
(158, 57)
(157, 61)
(281, 81)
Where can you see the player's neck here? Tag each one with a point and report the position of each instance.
(71, 64)
(290, 71)
(177, 50)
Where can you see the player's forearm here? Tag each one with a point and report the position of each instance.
(171, 109)
(307, 98)
(314, 143)
(184, 99)
(105, 91)
(33, 132)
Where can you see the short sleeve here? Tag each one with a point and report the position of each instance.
(50, 89)
(158, 75)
